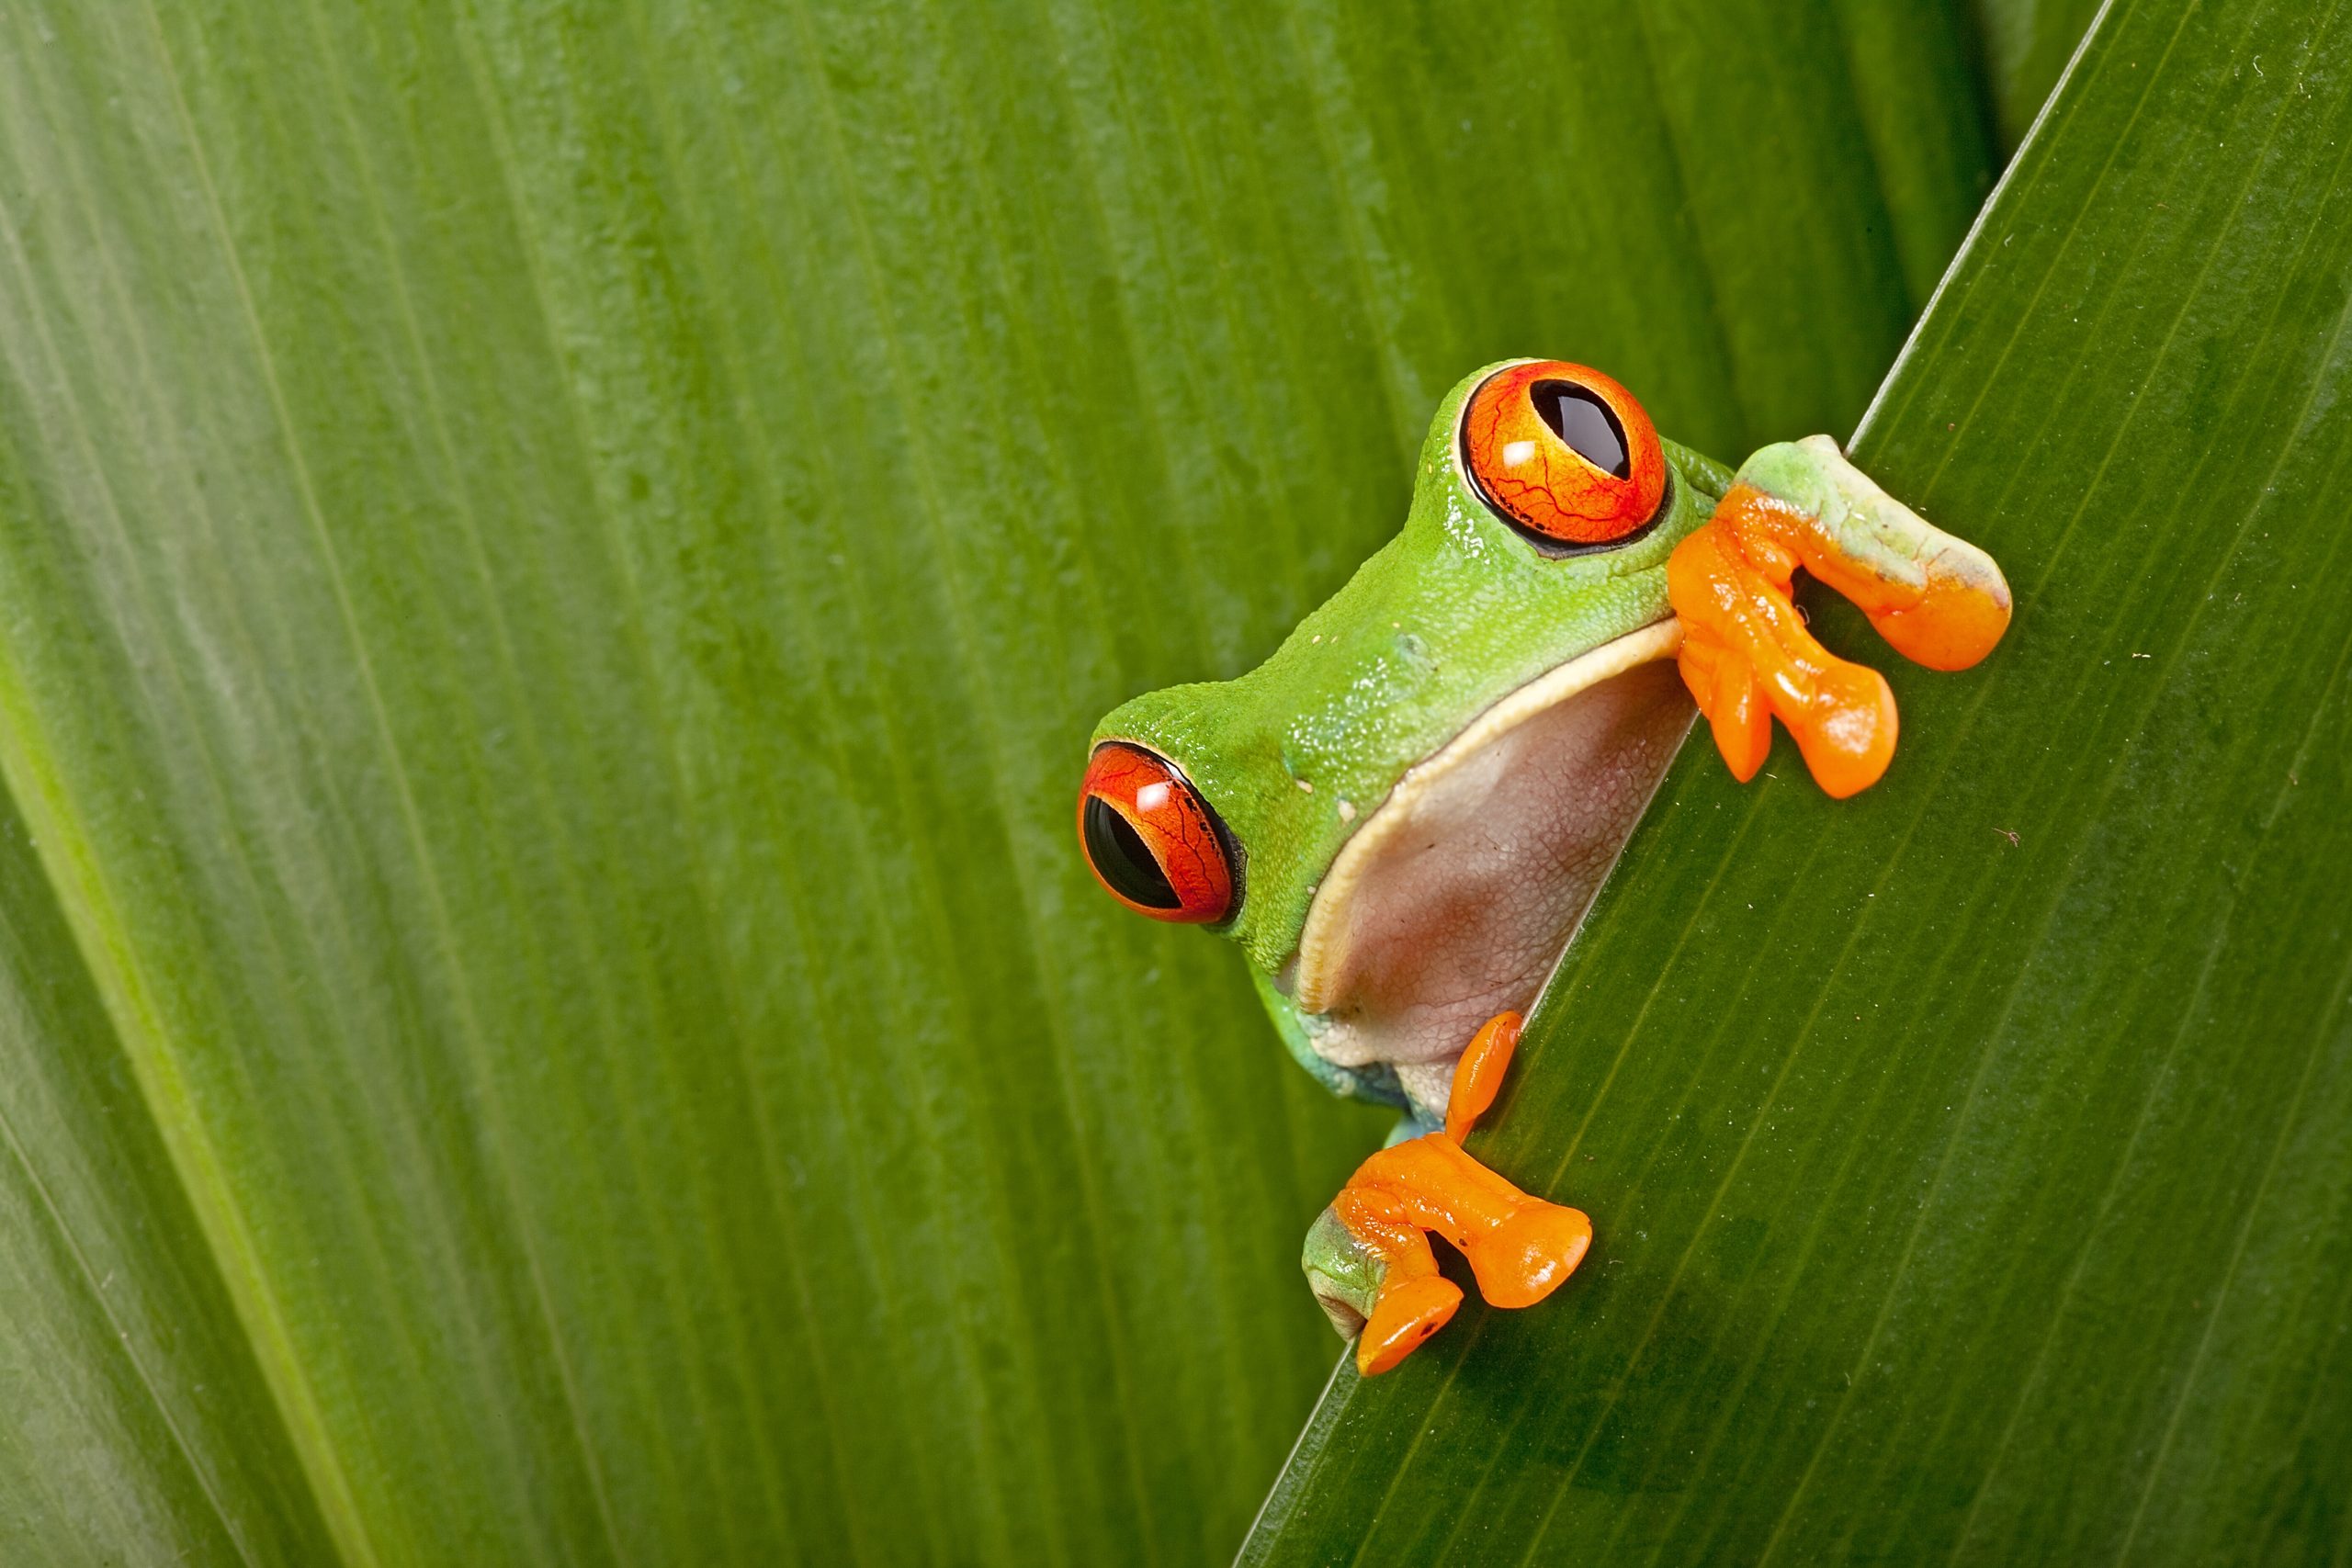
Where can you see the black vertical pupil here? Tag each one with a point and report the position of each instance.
(1585, 423)
(1118, 852)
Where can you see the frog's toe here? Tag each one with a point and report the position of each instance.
(1478, 1073)
(1846, 733)
(1724, 685)
(1404, 1316)
(1960, 615)
(1528, 1255)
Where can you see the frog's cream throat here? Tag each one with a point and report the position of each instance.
(1455, 897)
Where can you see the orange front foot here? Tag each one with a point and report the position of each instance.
(1369, 1256)
(1747, 654)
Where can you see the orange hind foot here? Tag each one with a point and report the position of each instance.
(1368, 1257)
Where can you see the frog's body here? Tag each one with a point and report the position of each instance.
(1401, 816)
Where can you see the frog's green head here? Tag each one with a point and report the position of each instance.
(1399, 794)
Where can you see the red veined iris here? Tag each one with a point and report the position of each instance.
(1564, 453)
(1151, 839)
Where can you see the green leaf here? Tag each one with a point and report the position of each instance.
(2025, 45)
(1972, 1161)
(137, 1428)
(555, 565)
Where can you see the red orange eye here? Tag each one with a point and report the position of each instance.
(1151, 838)
(1564, 453)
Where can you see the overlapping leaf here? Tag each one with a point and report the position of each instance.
(1972, 1162)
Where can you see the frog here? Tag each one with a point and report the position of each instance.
(1404, 814)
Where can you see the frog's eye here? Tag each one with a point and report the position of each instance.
(1151, 838)
(1564, 453)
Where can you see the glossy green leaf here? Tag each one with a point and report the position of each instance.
(555, 565)
(1972, 1161)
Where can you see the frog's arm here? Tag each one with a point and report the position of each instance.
(1747, 655)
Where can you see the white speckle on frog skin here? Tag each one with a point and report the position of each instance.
(1346, 811)
(1460, 531)
(1351, 712)
(1306, 787)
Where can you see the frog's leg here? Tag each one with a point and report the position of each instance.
(1747, 655)
(1369, 1261)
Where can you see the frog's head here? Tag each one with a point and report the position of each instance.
(1402, 813)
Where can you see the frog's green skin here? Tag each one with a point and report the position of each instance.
(1453, 615)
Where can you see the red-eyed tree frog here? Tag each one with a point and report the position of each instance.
(1403, 812)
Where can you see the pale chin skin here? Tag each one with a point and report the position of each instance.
(1455, 899)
